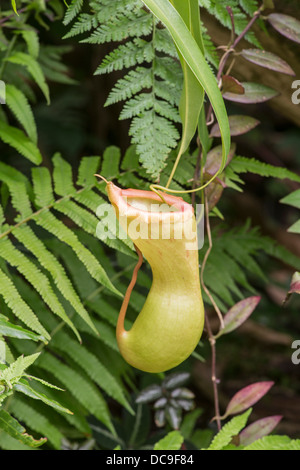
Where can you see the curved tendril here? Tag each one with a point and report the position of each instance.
(101, 177)
(156, 187)
(122, 314)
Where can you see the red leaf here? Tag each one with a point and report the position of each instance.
(232, 85)
(254, 93)
(246, 397)
(295, 284)
(286, 25)
(294, 287)
(258, 429)
(238, 314)
(268, 60)
(214, 158)
(239, 124)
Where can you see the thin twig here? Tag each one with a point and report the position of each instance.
(210, 245)
(229, 9)
(209, 120)
(22, 10)
(231, 49)
(209, 331)
(214, 379)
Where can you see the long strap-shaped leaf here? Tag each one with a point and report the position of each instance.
(193, 56)
(192, 96)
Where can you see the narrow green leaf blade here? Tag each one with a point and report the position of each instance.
(192, 54)
(14, 331)
(18, 104)
(24, 388)
(229, 430)
(18, 140)
(33, 68)
(172, 441)
(12, 427)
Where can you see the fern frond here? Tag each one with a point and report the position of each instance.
(18, 187)
(35, 277)
(154, 136)
(84, 24)
(92, 366)
(127, 55)
(22, 311)
(27, 237)
(152, 88)
(18, 140)
(236, 253)
(54, 226)
(87, 168)
(42, 185)
(31, 38)
(117, 30)
(33, 67)
(77, 384)
(73, 10)
(18, 104)
(249, 6)
(35, 420)
(62, 176)
(240, 10)
(230, 429)
(128, 86)
(251, 165)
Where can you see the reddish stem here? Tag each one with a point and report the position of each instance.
(122, 314)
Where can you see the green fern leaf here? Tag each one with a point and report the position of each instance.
(249, 6)
(42, 186)
(111, 162)
(18, 104)
(72, 11)
(62, 176)
(35, 277)
(126, 87)
(127, 55)
(36, 421)
(83, 24)
(93, 367)
(18, 140)
(251, 165)
(119, 29)
(230, 429)
(154, 137)
(274, 443)
(54, 226)
(18, 187)
(87, 168)
(136, 106)
(26, 236)
(33, 68)
(15, 302)
(79, 386)
(32, 41)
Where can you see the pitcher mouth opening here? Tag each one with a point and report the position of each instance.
(150, 203)
(143, 215)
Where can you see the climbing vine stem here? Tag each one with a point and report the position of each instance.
(199, 169)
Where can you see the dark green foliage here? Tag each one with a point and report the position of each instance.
(152, 86)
